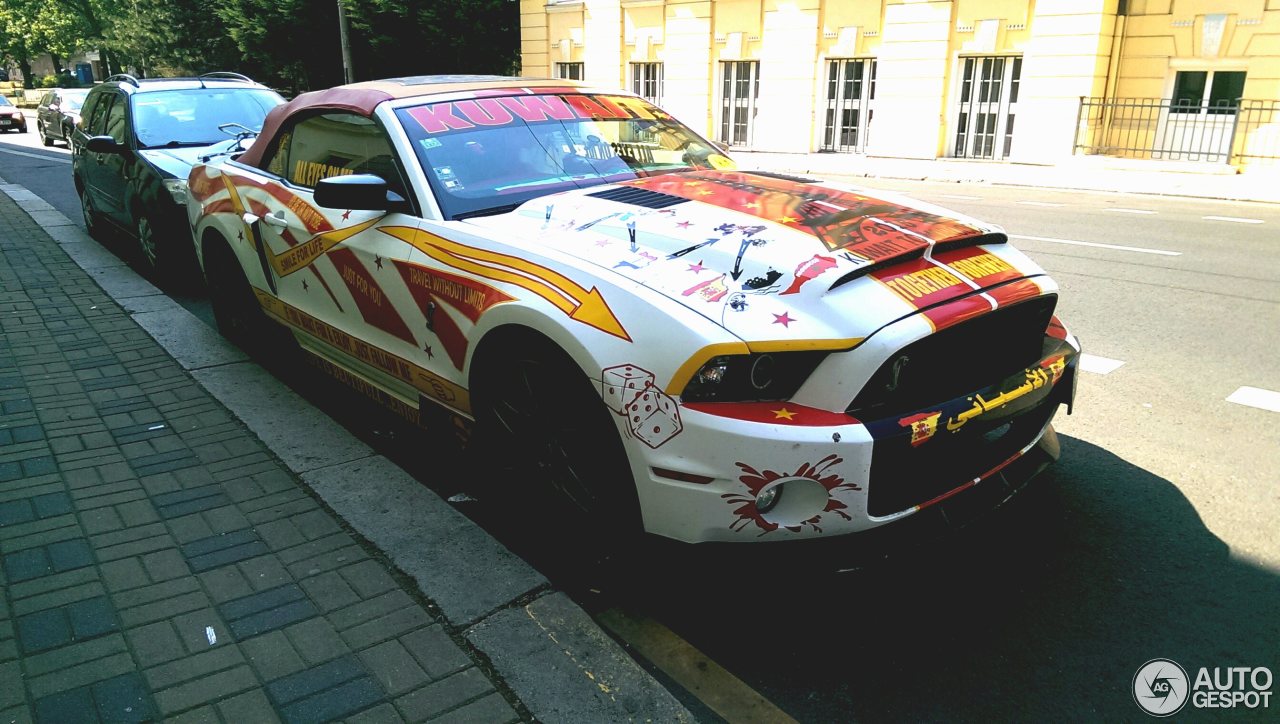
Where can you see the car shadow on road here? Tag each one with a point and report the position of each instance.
(1045, 609)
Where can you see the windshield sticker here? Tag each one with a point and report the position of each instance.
(721, 163)
(430, 143)
(444, 117)
(309, 173)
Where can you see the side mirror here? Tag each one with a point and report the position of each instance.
(53, 106)
(362, 192)
(103, 144)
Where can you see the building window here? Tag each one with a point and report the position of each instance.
(646, 81)
(739, 87)
(851, 88)
(988, 106)
(1207, 91)
(569, 71)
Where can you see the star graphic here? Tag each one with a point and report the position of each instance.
(784, 319)
(304, 285)
(752, 205)
(692, 183)
(705, 192)
(697, 267)
(603, 242)
(684, 224)
(787, 220)
(377, 261)
(346, 214)
(783, 414)
(427, 348)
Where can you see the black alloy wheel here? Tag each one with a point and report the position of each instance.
(535, 402)
(149, 246)
(92, 224)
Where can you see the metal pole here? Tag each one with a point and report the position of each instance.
(348, 72)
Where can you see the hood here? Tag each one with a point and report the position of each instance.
(756, 252)
(9, 111)
(178, 161)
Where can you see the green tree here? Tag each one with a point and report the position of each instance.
(406, 37)
(30, 27)
(289, 43)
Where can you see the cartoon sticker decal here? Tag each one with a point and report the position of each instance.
(756, 481)
(652, 415)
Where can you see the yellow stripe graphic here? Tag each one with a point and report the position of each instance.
(579, 303)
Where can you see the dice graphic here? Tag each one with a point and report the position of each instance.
(653, 417)
(620, 384)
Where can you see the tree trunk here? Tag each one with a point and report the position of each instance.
(24, 65)
(104, 56)
(57, 64)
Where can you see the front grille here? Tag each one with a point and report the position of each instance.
(903, 476)
(639, 197)
(957, 360)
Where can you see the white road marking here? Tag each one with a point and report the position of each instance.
(961, 197)
(1232, 219)
(42, 157)
(1256, 397)
(1099, 365)
(1130, 211)
(1116, 247)
(1038, 203)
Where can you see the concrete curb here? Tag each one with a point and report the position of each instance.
(546, 648)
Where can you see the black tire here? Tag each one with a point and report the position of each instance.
(236, 310)
(92, 222)
(151, 252)
(530, 398)
(44, 135)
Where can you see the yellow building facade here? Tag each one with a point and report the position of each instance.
(990, 79)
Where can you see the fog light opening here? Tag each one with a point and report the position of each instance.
(767, 499)
(802, 499)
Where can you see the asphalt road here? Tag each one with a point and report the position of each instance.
(1155, 536)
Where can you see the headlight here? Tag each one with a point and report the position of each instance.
(751, 377)
(177, 188)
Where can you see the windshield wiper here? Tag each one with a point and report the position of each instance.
(491, 211)
(181, 144)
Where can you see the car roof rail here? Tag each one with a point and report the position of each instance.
(225, 75)
(124, 78)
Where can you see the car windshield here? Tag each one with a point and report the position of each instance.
(4, 101)
(487, 155)
(191, 117)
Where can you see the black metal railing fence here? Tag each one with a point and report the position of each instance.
(1237, 131)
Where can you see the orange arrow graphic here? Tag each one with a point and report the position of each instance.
(579, 303)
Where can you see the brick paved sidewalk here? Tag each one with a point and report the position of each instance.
(159, 562)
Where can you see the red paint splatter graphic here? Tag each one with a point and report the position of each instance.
(757, 481)
(810, 269)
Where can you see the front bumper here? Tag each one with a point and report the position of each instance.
(841, 476)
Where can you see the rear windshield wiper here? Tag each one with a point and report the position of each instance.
(491, 211)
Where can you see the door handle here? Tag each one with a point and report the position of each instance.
(277, 220)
